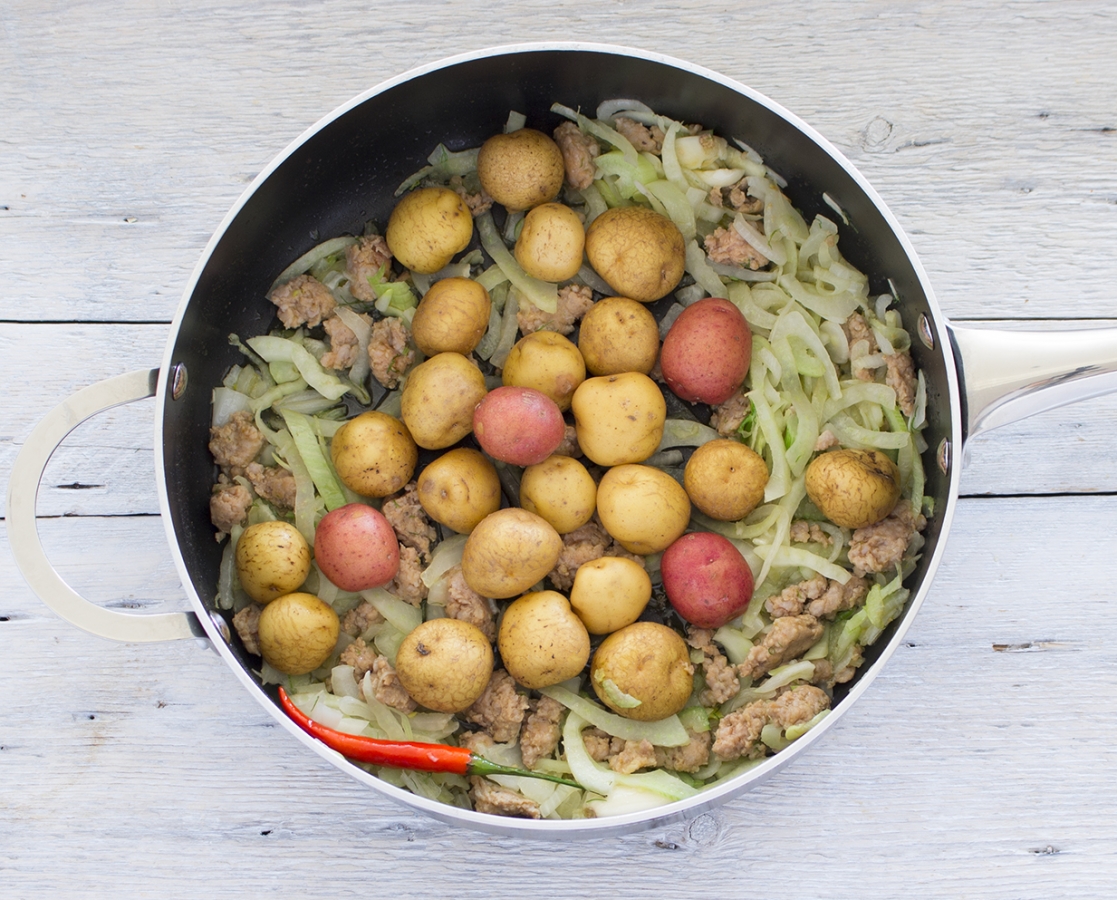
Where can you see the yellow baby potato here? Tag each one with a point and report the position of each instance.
(643, 672)
(438, 400)
(272, 559)
(610, 593)
(374, 454)
(551, 243)
(561, 490)
(445, 664)
(541, 641)
(618, 334)
(521, 169)
(298, 632)
(642, 507)
(853, 488)
(453, 315)
(638, 252)
(510, 551)
(459, 489)
(427, 227)
(619, 418)
(725, 479)
(547, 362)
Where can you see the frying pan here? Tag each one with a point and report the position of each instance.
(343, 171)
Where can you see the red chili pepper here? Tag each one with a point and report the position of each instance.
(406, 754)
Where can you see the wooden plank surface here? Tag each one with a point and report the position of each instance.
(979, 764)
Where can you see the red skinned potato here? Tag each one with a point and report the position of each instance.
(518, 425)
(356, 547)
(706, 578)
(706, 353)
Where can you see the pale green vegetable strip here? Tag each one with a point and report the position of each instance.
(308, 504)
(667, 732)
(701, 272)
(543, 294)
(320, 469)
(402, 616)
(835, 307)
(278, 393)
(685, 433)
(796, 556)
(794, 732)
(677, 206)
(599, 130)
(313, 255)
(276, 348)
(589, 774)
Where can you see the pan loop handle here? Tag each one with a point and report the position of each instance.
(23, 535)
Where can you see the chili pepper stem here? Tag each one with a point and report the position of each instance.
(478, 765)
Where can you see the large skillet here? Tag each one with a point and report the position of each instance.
(343, 171)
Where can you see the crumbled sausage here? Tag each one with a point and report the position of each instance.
(578, 153)
(360, 619)
(387, 688)
(728, 416)
(364, 260)
(500, 709)
(464, 603)
(478, 201)
(793, 598)
(738, 734)
(879, 547)
(806, 532)
(857, 329)
(581, 545)
(635, 755)
(228, 506)
(721, 677)
(788, 637)
(541, 730)
(825, 441)
(408, 584)
(274, 483)
(600, 745)
(235, 444)
(409, 520)
(798, 705)
(490, 797)
(360, 656)
(690, 757)
(643, 138)
(574, 301)
(303, 300)
(726, 246)
(247, 624)
(900, 376)
(344, 345)
(390, 354)
(839, 597)
(569, 445)
(738, 199)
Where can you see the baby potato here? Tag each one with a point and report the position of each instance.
(356, 547)
(272, 559)
(642, 507)
(618, 335)
(552, 242)
(541, 641)
(445, 664)
(518, 425)
(521, 169)
(459, 489)
(706, 579)
(453, 315)
(706, 353)
(725, 479)
(374, 454)
(547, 362)
(619, 418)
(298, 632)
(853, 488)
(561, 490)
(427, 227)
(638, 252)
(610, 593)
(508, 552)
(438, 399)
(643, 672)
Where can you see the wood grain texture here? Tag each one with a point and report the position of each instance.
(979, 764)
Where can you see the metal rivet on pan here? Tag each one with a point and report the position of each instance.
(943, 456)
(925, 333)
(178, 381)
(222, 626)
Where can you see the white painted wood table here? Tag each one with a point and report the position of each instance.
(980, 764)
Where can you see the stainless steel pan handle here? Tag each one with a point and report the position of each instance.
(23, 535)
(1009, 375)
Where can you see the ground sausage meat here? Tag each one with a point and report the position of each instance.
(500, 709)
(574, 301)
(578, 153)
(727, 417)
(235, 444)
(390, 354)
(360, 656)
(643, 138)
(464, 603)
(879, 547)
(386, 686)
(635, 755)
(489, 797)
(360, 619)
(228, 506)
(364, 260)
(821, 597)
(721, 678)
(788, 637)
(274, 483)
(478, 201)
(600, 745)
(726, 246)
(410, 522)
(690, 757)
(569, 445)
(408, 583)
(344, 346)
(541, 732)
(804, 532)
(900, 376)
(247, 624)
(738, 734)
(303, 300)
(581, 545)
